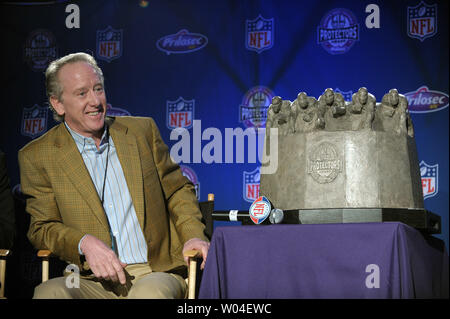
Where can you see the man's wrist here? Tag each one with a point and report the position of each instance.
(79, 245)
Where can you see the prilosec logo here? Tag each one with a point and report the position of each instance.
(424, 100)
(338, 31)
(259, 210)
(182, 42)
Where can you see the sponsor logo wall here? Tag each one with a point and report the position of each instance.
(220, 65)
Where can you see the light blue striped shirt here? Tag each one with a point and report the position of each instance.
(119, 208)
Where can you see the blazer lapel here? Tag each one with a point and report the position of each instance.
(71, 162)
(128, 153)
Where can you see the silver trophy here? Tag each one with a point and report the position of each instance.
(341, 162)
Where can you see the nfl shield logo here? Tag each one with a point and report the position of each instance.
(251, 185)
(34, 121)
(109, 44)
(180, 113)
(429, 174)
(259, 34)
(422, 21)
(260, 210)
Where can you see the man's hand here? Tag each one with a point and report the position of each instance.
(102, 260)
(197, 244)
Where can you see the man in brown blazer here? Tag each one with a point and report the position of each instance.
(105, 196)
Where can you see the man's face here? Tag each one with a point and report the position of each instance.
(363, 97)
(276, 103)
(276, 107)
(394, 98)
(83, 100)
(329, 97)
(302, 101)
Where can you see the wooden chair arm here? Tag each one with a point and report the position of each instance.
(5, 252)
(192, 256)
(192, 253)
(45, 255)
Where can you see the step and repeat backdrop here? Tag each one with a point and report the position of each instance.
(206, 71)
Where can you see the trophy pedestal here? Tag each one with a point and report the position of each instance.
(420, 219)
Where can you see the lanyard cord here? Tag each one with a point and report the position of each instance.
(102, 199)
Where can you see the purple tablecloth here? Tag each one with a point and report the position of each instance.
(323, 261)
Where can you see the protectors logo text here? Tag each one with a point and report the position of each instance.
(324, 163)
(180, 113)
(422, 21)
(254, 107)
(259, 34)
(34, 121)
(40, 49)
(424, 100)
(109, 44)
(429, 174)
(260, 210)
(338, 31)
(182, 42)
(251, 183)
(192, 176)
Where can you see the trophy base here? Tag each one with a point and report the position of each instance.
(421, 219)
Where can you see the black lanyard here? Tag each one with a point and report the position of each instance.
(102, 198)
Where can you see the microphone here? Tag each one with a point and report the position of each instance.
(257, 214)
(261, 212)
(276, 216)
(263, 208)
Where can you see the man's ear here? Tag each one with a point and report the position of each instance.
(57, 105)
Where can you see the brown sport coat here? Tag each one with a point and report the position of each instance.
(64, 205)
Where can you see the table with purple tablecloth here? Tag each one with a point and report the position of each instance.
(354, 260)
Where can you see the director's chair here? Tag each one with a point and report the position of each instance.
(193, 255)
(4, 253)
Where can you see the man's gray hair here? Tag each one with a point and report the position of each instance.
(54, 87)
